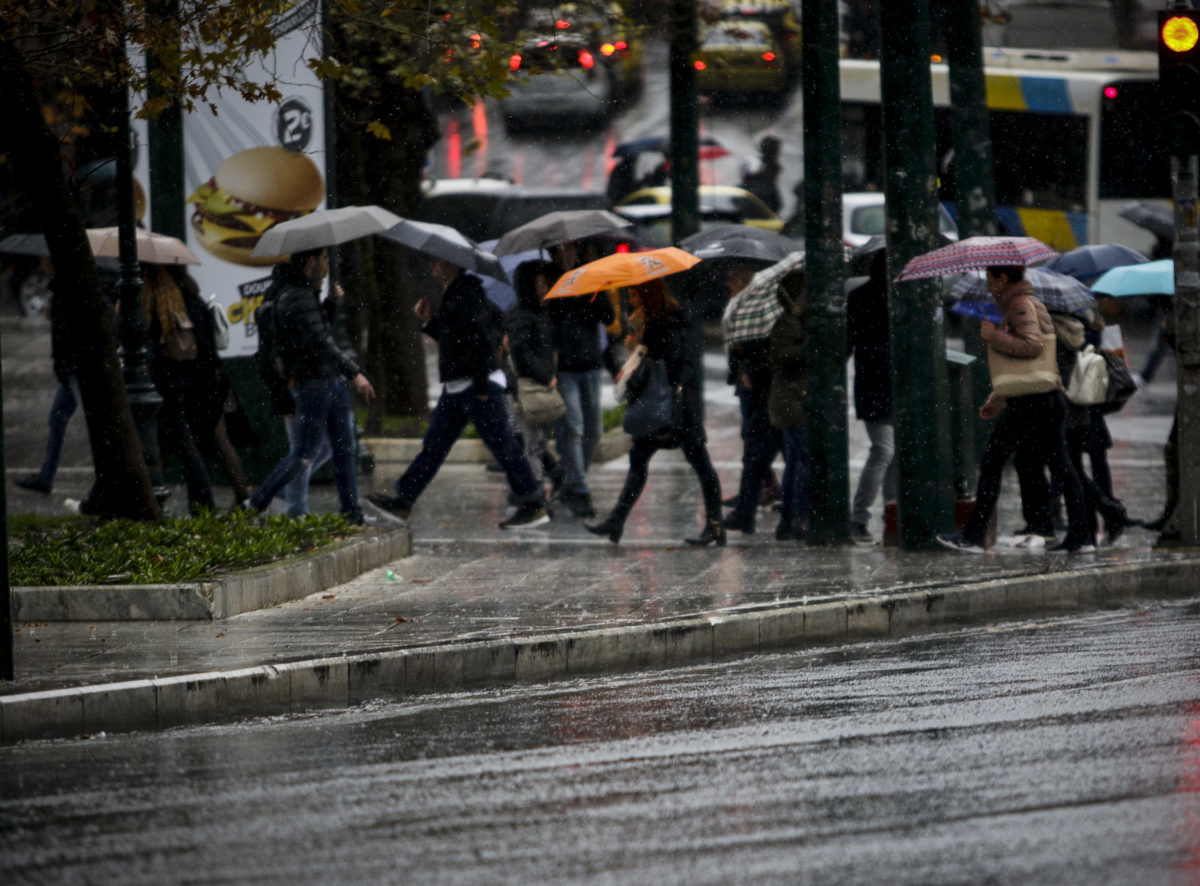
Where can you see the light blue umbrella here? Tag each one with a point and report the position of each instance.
(1150, 278)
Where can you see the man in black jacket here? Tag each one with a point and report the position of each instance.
(466, 330)
(318, 369)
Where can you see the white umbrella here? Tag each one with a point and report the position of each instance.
(444, 242)
(152, 248)
(323, 228)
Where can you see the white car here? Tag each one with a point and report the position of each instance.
(864, 216)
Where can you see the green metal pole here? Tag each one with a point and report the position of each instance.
(974, 194)
(921, 405)
(685, 138)
(825, 314)
(7, 639)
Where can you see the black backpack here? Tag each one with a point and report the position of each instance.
(273, 357)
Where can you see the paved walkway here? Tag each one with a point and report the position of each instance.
(475, 605)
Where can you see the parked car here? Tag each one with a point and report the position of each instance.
(727, 201)
(779, 16)
(604, 29)
(864, 216)
(558, 83)
(487, 208)
(740, 57)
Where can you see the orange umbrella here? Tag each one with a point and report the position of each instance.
(622, 269)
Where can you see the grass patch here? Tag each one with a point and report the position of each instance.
(78, 550)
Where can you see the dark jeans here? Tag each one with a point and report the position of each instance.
(322, 408)
(62, 407)
(691, 443)
(490, 418)
(176, 436)
(760, 444)
(1034, 423)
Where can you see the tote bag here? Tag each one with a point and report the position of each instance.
(1089, 379)
(1018, 376)
(540, 404)
(654, 408)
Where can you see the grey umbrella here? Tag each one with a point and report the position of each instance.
(444, 242)
(1158, 220)
(25, 244)
(323, 228)
(563, 226)
(741, 243)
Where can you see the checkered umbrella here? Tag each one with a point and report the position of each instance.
(1059, 293)
(976, 253)
(758, 306)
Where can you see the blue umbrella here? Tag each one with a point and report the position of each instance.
(1088, 262)
(980, 310)
(1149, 278)
(502, 294)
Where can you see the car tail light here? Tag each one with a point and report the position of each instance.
(607, 49)
(622, 45)
(1110, 92)
(586, 60)
(769, 58)
(622, 247)
(562, 24)
(514, 62)
(476, 41)
(699, 65)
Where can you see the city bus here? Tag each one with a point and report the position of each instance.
(1074, 140)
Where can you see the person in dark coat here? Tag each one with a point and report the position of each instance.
(529, 341)
(788, 406)
(318, 370)
(867, 339)
(466, 330)
(664, 327)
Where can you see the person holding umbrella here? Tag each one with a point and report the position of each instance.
(472, 388)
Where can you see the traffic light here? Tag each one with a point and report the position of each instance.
(1179, 80)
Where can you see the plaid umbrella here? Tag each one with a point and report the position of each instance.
(1089, 262)
(1058, 292)
(758, 306)
(976, 253)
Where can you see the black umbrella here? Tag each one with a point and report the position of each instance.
(1158, 220)
(742, 243)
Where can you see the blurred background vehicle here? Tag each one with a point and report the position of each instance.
(724, 201)
(740, 58)
(864, 216)
(780, 17)
(559, 84)
(488, 208)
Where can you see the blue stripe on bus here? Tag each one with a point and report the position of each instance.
(1009, 222)
(1047, 94)
(1079, 224)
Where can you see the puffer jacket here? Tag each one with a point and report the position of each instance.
(309, 336)
(1026, 324)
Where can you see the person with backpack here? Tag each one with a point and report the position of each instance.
(297, 346)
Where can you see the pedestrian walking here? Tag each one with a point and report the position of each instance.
(529, 342)
(472, 391)
(762, 178)
(579, 341)
(174, 313)
(662, 330)
(318, 370)
(867, 340)
(1032, 419)
(788, 406)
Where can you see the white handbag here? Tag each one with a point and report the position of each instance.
(1088, 384)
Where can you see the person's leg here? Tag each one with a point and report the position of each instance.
(227, 454)
(1002, 442)
(173, 414)
(1052, 430)
(871, 480)
(635, 481)
(62, 407)
(312, 403)
(1030, 463)
(571, 436)
(446, 425)
(593, 413)
(295, 494)
(491, 420)
(761, 443)
(339, 436)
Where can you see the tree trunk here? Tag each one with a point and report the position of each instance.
(122, 487)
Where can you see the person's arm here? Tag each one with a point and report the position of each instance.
(1022, 333)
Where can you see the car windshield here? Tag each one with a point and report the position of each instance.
(733, 36)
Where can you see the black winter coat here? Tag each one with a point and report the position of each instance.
(576, 322)
(531, 343)
(867, 337)
(466, 327)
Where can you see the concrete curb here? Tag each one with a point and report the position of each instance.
(256, 588)
(341, 681)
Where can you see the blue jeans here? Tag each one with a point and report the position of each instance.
(295, 494)
(62, 407)
(322, 409)
(760, 444)
(579, 430)
(795, 472)
(450, 416)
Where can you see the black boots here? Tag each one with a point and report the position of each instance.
(612, 527)
(714, 531)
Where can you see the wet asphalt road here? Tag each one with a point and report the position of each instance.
(1059, 752)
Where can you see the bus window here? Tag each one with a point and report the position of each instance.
(1133, 162)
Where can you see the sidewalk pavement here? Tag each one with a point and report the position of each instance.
(477, 606)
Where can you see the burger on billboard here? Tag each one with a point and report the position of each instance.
(251, 191)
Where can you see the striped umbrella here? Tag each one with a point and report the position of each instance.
(758, 306)
(1058, 292)
(976, 253)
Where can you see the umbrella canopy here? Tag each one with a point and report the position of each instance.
(979, 310)
(710, 148)
(501, 293)
(1158, 220)
(622, 269)
(1088, 262)
(323, 228)
(152, 248)
(1148, 278)
(975, 253)
(758, 306)
(563, 226)
(1058, 292)
(444, 242)
(739, 242)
